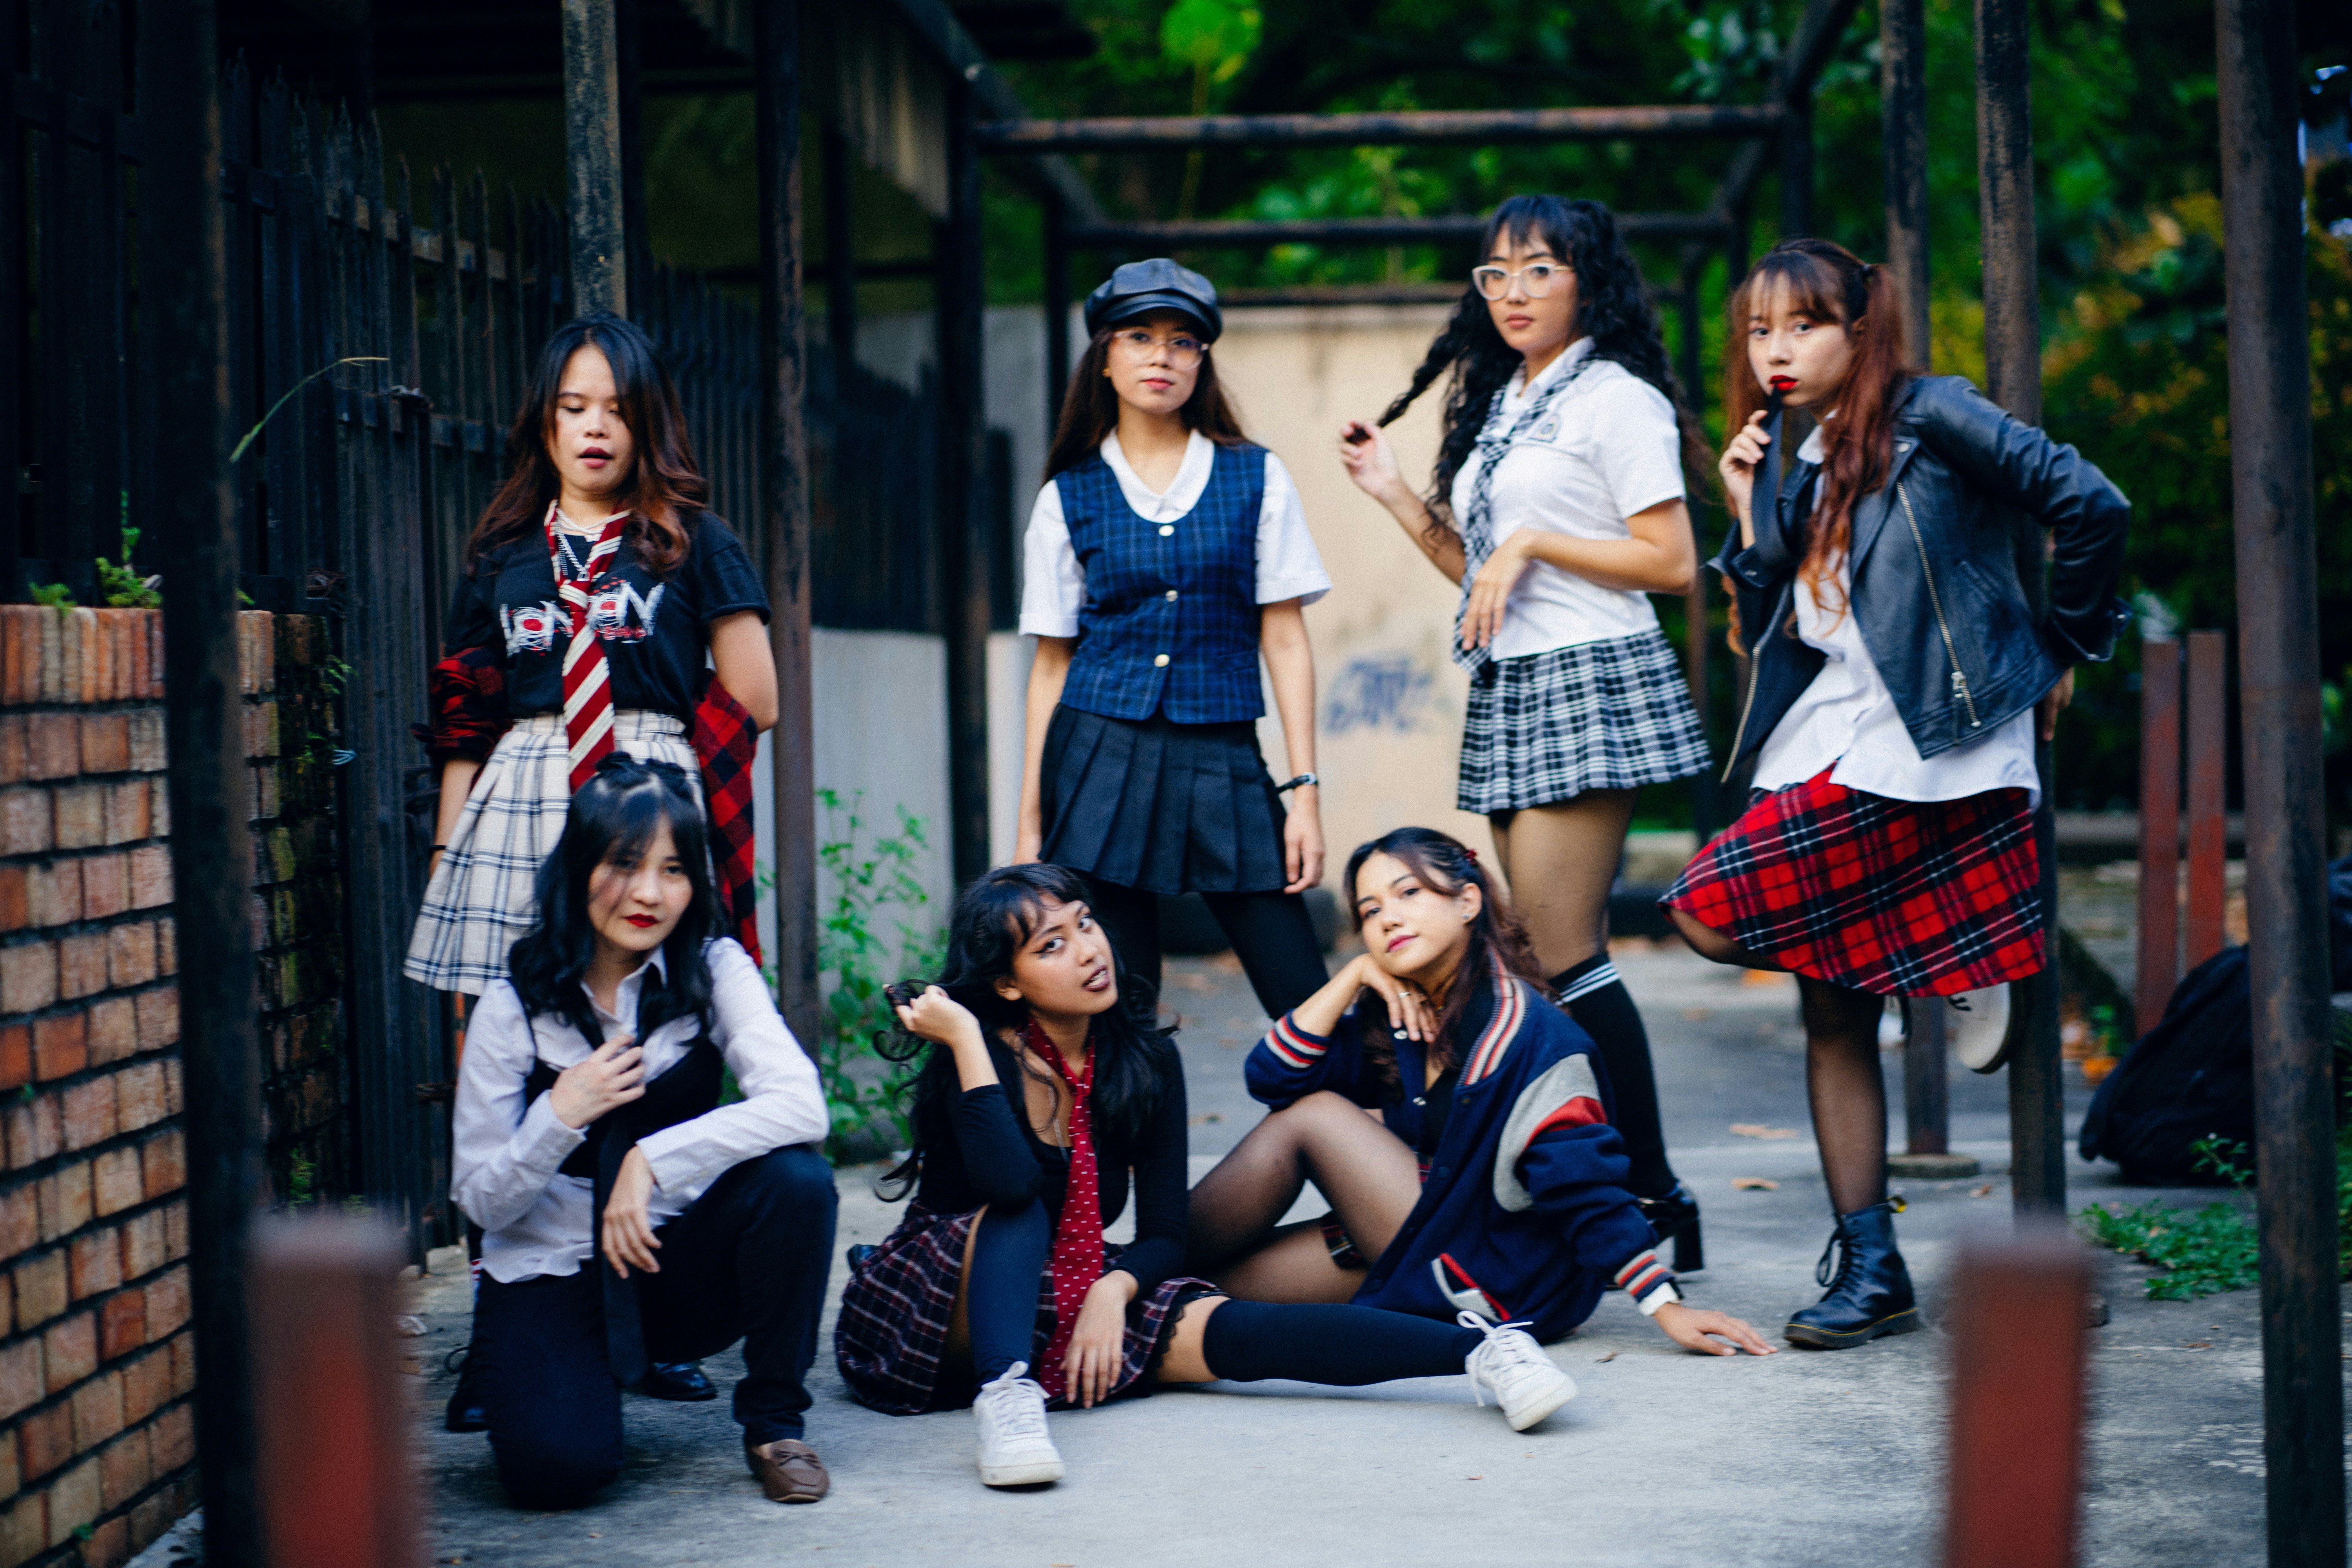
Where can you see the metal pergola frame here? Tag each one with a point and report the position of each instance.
(183, 258)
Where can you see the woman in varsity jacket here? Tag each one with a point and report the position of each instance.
(1164, 557)
(1491, 1182)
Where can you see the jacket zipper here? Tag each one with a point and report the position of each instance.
(1959, 677)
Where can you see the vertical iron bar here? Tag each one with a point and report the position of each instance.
(1927, 1079)
(14, 221)
(2209, 832)
(1057, 308)
(1797, 167)
(2278, 676)
(2158, 968)
(1902, 116)
(840, 250)
(786, 532)
(965, 550)
(628, 96)
(1695, 627)
(185, 311)
(2037, 1103)
(591, 119)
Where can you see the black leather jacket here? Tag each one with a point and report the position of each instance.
(1936, 589)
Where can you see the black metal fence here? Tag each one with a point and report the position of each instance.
(383, 325)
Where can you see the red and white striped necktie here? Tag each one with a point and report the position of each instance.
(587, 684)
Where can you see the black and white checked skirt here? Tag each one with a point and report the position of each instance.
(1597, 715)
(480, 900)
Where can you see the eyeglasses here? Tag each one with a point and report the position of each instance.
(1182, 348)
(1536, 276)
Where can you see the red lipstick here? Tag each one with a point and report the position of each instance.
(641, 921)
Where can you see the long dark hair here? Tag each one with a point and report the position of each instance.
(664, 481)
(994, 916)
(1497, 936)
(1612, 310)
(1829, 283)
(1090, 406)
(613, 819)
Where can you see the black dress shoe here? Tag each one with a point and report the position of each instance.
(1869, 1293)
(1674, 1216)
(465, 1412)
(856, 1255)
(681, 1381)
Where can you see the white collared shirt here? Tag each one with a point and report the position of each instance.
(1847, 716)
(1609, 450)
(1053, 585)
(504, 1155)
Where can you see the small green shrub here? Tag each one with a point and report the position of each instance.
(880, 909)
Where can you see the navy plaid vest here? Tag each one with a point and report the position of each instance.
(1171, 615)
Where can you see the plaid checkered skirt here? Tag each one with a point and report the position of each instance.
(891, 1336)
(1896, 897)
(1597, 715)
(479, 900)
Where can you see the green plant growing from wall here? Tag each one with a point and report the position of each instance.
(878, 908)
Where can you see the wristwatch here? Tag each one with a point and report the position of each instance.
(1301, 779)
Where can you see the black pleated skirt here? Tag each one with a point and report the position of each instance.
(1168, 807)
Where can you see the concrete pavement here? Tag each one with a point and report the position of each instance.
(1804, 1458)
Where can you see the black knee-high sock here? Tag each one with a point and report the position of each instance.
(1601, 1006)
(1001, 1290)
(1246, 1340)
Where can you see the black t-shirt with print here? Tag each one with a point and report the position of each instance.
(656, 630)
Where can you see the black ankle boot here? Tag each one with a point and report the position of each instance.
(1674, 1216)
(465, 1412)
(1870, 1293)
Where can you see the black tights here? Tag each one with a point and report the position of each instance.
(1271, 934)
(1848, 1091)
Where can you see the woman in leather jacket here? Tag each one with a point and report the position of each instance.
(1899, 678)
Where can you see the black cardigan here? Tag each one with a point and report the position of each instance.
(978, 1150)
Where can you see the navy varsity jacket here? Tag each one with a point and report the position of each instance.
(1524, 1215)
(1170, 619)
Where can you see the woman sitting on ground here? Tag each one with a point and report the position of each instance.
(1001, 1262)
(1492, 1184)
(626, 1213)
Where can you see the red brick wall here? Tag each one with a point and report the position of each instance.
(96, 1360)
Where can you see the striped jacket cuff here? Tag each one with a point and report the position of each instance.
(1649, 1282)
(1293, 1046)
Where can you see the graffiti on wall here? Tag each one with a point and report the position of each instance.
(1378, 691)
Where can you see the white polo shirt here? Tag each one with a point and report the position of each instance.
(1610, 449)
(1053, 585)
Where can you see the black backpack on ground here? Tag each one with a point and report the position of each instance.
(2189, 1078)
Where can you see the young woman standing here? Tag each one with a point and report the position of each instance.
(1165, 556)
(603, 608)
(1558, 506)
(1892, 709)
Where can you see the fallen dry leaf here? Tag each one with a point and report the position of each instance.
(1697, 1015)
(1758, 1129)
(408, 1326)
(1474, 1478)
(1763, 977)
(1754, 1185)
(1983, 1192)
(2197, 1344)
(1611, 1356)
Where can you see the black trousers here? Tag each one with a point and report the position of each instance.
(748, 1261)
(1271, 933)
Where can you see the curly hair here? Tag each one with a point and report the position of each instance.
(1612, 310)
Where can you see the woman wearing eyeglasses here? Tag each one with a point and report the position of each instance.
(1164, 557)
(1558, 507)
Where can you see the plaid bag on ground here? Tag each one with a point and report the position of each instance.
(1896, 897)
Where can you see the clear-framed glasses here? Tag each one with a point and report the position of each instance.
(1138, 342)
(1536, 278)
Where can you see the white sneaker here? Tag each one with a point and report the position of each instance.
(1976, 1027)
(1015, 1450)
(1525, 1381)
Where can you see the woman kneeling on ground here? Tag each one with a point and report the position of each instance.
(1048, 1089)
(1493, 1183)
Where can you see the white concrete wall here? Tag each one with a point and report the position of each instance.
(881, 732)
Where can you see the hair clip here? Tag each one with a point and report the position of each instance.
(1472, 854)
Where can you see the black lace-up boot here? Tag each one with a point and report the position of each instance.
(1870, 1291)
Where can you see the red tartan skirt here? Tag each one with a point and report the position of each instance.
(1899, 898)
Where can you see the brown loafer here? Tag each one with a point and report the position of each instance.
(788, 1471)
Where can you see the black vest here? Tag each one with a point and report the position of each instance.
(690, 1089)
